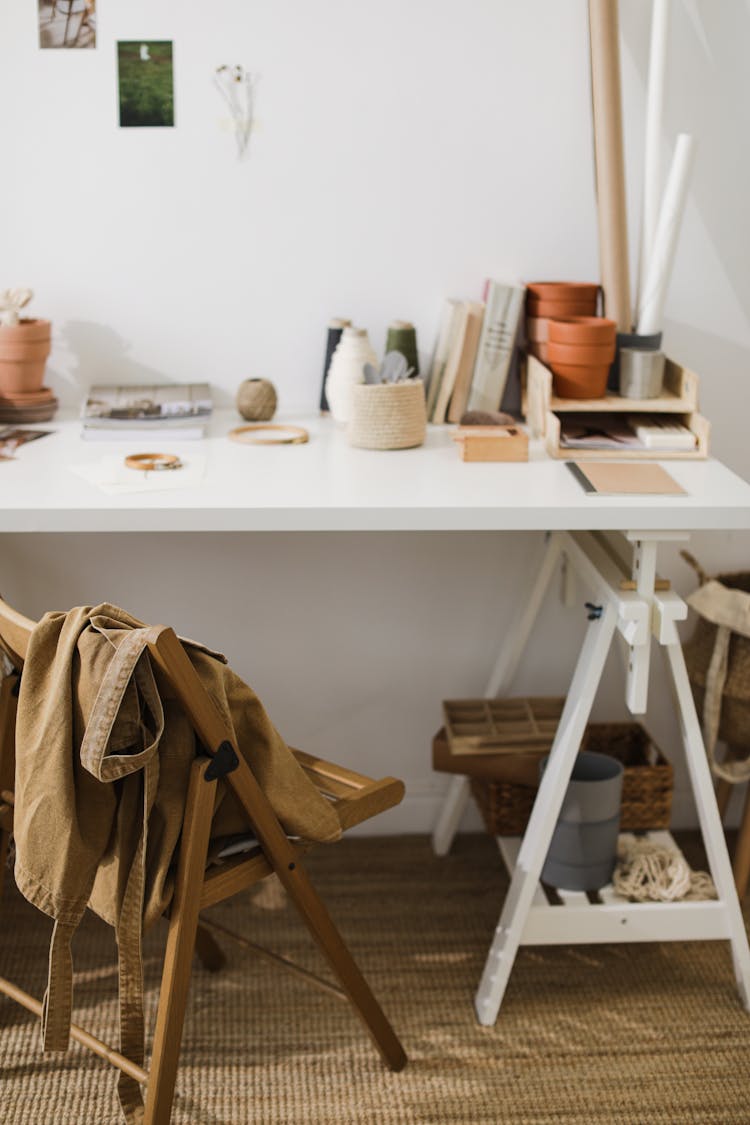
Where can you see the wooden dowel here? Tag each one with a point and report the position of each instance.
(79, 1034)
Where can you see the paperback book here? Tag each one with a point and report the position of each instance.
(502, 319)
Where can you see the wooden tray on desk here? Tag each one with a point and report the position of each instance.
(680, 398)
(501, 726)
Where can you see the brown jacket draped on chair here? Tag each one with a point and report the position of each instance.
(103, 760)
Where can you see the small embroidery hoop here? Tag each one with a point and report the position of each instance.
(294, 435)
(152, 462)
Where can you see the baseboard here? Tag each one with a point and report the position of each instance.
(420, 808)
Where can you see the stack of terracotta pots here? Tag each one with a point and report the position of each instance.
(564, 332)
(24, 348)
(547, 299)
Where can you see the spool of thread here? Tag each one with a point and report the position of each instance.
(335, 329)
(402, 337)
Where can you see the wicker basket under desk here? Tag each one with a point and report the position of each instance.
(647, 786)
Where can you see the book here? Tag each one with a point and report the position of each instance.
(502, 317)
(452, 363)
(177, 410)
(465, 371)
(450, 317)
(624, 478)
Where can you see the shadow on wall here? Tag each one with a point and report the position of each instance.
(708, 95)
(87, 353)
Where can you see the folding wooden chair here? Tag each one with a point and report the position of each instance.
(355, 798)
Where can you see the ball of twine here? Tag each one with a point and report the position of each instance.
(256, 400)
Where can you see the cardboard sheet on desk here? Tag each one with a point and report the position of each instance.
(624, 478)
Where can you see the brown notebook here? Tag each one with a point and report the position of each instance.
(623, 478)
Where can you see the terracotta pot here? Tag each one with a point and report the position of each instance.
(535, 307)
(582, 330)
(571, 381)
(536, 329)
(586, 355)
(24, 348)
(564, 291)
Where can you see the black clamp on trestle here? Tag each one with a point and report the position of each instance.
(222, 762)
(594, 611)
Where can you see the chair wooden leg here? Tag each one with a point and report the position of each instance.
(183, 924)
(4, 841)
(332, 945)
(741, 865)
(209, 951)
(723, 793)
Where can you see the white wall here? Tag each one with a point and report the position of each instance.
(403, 152)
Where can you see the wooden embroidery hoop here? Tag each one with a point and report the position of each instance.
(292, 435)
(152, 462)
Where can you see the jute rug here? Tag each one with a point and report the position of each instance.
(640, 1034)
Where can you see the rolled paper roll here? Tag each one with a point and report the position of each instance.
(402, 337)
(651, 310)
(610, 162)
(657, 68)
(335, 328)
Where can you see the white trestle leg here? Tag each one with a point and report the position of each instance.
(544, 815)
(500, 680)
(639, 616)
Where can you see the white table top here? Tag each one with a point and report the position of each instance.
(328, 486)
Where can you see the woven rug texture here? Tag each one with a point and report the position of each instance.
(623, 1034)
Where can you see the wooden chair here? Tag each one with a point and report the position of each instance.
(356, 798)
(741, 859)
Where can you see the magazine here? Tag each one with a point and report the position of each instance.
(179, 409)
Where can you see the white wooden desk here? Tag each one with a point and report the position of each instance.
(328, 486)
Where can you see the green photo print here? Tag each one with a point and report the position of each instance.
(146, 83)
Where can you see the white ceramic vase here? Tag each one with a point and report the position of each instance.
(347, 370)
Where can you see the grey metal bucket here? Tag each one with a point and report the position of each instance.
(583, 849)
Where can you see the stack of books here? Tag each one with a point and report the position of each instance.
(180, 411)
(474, 353)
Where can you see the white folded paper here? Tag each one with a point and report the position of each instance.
(112, 476)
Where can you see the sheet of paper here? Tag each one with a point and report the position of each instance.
(112, 476)
(625, 478)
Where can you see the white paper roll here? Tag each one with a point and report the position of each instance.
(657, 69)
(661, 258)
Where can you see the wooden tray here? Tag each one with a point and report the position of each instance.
(501, 726)
(543, 410)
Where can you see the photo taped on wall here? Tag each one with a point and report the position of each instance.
(146, 84)
(67, 23)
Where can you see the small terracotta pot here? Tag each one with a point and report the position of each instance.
(24, 348)
(582, 330)
(537, 331)
(564, 290)
(572, 381)
(586, 355)
(535, 307)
